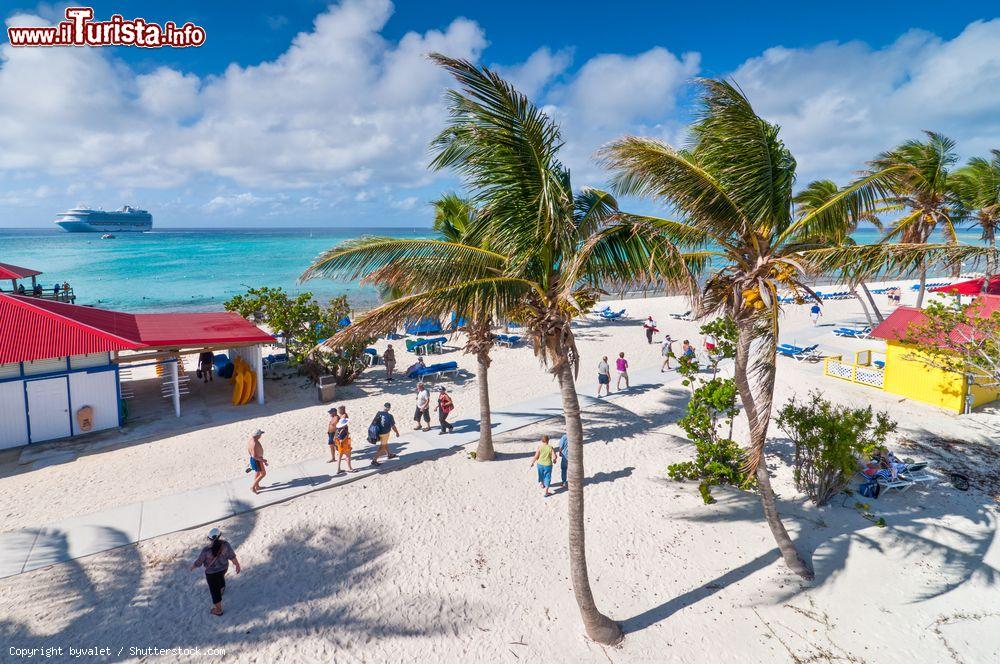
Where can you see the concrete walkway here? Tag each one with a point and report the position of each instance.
(33, 548)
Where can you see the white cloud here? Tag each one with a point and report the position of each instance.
(339, 103)
(540, 69)
(839, 104)
(339, 123)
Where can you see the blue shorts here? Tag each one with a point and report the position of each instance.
(545, 475)
(330, 439)
(603, 379)
(254, 466)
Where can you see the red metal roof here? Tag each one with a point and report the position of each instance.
(8, 271)
(896, 326)
(29, 332)
(34, 329)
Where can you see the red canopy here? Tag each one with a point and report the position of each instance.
(35, 329)
(970, 287)
(900, 321)
(8, 272)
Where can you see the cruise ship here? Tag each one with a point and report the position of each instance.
(85, 220)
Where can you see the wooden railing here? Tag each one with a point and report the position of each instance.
(862, 371)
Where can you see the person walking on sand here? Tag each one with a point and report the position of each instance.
(389, 357)
(603, 377)
(331, 434)
(444, 407)
(423, 409)
(649, 325)
(667, 351)
(215, 559)
(543, 459)
(687, 350)
(257, 461)
(815, 312)
(563, 453)
(622, 365)
(343, 438)
(386, 424)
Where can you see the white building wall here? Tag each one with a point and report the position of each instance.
(13, 419)
(89, 360)
(53, 365)
(97, 390)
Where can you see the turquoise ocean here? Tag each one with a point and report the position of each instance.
(172, 270)
(193, 270)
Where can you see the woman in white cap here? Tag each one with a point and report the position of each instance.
(215, 558)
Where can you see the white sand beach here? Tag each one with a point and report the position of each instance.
(452, 560)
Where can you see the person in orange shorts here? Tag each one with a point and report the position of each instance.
(342, 438)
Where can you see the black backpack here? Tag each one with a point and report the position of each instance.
(374, 429)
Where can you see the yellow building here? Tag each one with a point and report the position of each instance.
(906, 375)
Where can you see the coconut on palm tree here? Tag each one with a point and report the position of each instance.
(977, 187)
(919, 184)
(549, 252)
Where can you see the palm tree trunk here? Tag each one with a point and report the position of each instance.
(598, 626)
(923, 286)
(864, 308)
(758, 421)
(991, 238)
(871, 300)
(484, 451)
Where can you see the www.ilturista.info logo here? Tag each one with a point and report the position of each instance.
(79, 29)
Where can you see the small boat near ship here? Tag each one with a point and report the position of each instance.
(86, 220)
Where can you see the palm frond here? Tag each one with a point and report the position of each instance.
(745, 154)
(361, 257)
(864, 261)
(831, 212)
(648, 167)
(479, 299)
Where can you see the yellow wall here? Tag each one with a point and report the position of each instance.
(913, 379)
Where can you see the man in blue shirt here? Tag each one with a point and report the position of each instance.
(815, 312)
(561, 449)
(386, 425)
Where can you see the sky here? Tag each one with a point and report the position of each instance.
(307, 113)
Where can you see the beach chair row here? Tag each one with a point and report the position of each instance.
(509, 340)
(425, 346)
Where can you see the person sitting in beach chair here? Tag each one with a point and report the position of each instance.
(415, 368)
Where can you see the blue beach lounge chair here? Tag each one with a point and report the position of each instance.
(799, 353)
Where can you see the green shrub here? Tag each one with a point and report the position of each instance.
(718, 459)
(829, 440)
(304, 323)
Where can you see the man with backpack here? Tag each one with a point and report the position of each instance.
(379, 430)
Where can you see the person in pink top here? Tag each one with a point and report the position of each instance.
(622, 365)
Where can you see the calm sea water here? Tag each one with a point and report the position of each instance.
(169, 270)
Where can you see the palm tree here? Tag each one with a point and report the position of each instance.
(549, 252)
(977, 187)
(454, 220)
(920, 185)
(732, 188)
(819, 193)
